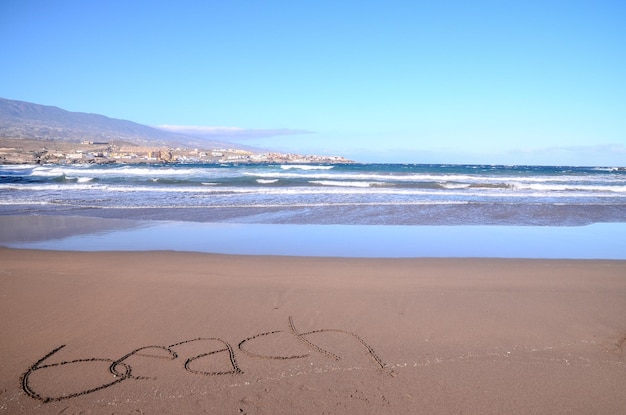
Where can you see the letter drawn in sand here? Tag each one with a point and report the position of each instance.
(221, 353)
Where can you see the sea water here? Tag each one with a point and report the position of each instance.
(597, 241)
(398, 206)
(369, 194)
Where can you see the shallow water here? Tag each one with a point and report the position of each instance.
(597, 241)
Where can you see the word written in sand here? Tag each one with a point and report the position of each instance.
(121, 369)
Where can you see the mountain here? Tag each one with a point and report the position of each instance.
(20, 119)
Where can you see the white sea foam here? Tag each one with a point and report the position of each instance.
(151, 171)
(13, 202)
(122, 171)
(455, 185)
(573, 187)
(328, 176)
(246, 205)
(51, 187)
(343, 183)
(517, 191)
(304, 167)
(438, 178)
(18, 167)
(79, 179)
(266, 181)
(48, 172)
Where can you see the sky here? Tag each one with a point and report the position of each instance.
(494, 82)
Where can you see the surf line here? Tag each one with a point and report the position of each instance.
(121, 369)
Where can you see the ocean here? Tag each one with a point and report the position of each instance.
(341, 210)
(342, 194)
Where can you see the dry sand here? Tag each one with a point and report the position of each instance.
(166, 333)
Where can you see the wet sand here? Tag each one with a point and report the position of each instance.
(75, 233)
(168, 332)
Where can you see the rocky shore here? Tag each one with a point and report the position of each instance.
(28, 151)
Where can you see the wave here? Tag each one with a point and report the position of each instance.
(18, 168)
(344, 183)
(266, 181)
(316, 173)
(23, 202)
(49, 172)
(455, 185)
(158, 171)
(304, 167)
(244, 205)
(147, 171)
(437, 178)
(446, 190)
(53, 187)
(569, 188)
(79, 179)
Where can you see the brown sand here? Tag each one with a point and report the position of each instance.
(309, 335)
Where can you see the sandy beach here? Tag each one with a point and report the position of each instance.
(168, 332)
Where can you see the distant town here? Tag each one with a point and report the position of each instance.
(40, 134)
(27, 151)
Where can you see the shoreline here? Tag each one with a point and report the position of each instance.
(78, 233)
(272, 334)
(26, 151)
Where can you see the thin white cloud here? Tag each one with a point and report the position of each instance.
(592, 155)
(578, 155)
(613, 148)
(230, 132)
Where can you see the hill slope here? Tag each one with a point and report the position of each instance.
(19, 119)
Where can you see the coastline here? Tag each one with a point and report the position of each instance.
(309, 335)
(86, 233)
(114, 315)
(25, 151)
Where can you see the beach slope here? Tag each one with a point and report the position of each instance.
(171, 332)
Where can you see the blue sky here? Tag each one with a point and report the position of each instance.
(519, 82)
